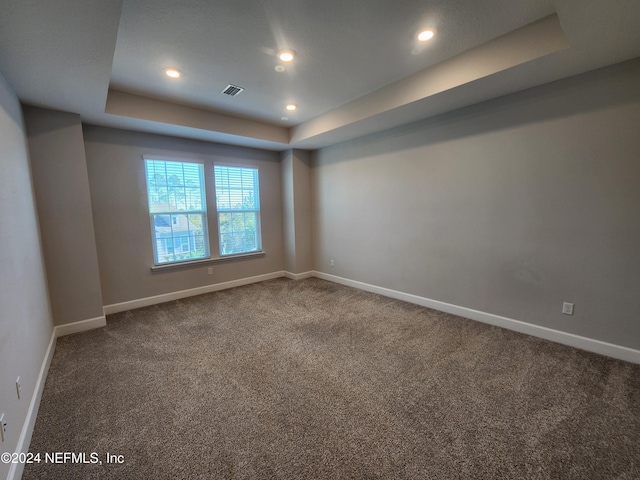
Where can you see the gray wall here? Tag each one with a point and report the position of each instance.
(121, 218)
(26, 324)
(509, 207)
(288, 211)
(296, 201)
(61, 184)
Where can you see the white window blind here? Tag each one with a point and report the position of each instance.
(178, 211)
(238, 208)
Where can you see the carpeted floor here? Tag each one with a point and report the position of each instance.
(311, 379)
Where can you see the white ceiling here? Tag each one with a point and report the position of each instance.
(358, 67)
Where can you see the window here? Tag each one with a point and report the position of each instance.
(177, 196)
(238, 206)
(178, 211)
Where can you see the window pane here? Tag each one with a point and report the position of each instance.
(179, 237)
(238, 232)
(174, 190)
(175, 186)
(237, 188)
(238, 204)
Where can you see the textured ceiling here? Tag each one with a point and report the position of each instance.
(358, 67)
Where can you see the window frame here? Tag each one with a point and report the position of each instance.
(203, 213)
(256, 211)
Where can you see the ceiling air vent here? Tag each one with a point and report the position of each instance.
(232, 90)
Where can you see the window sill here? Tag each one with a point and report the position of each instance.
(192, 263)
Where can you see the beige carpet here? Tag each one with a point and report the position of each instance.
(315, 380)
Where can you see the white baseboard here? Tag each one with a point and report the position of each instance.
(168, 297)
(81, 326)
(16, 469)
(584, 343)
(299, 276)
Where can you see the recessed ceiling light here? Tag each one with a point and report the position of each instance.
(284, 118)
(286, 55)
(280, 68)
(291, 107)
(425, 35)
(172, 72)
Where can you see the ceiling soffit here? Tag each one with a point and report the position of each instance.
(539, 39)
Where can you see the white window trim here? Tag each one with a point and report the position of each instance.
(200, 261)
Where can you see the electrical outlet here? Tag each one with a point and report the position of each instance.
(333, 263)
(3, 427)
(210, 271)
(18, 387)
(567, 308)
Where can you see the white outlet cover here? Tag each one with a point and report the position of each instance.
(567, 308)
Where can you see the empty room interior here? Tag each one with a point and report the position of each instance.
(320, 239)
